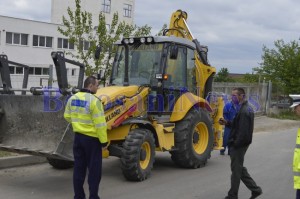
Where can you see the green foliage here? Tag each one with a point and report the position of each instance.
(286, 115)
(281, 65)
(160, 33)
(223, 76)
(5, 154)
(79, 29)
(251, 78)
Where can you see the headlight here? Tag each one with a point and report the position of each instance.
(126, 41)
(131, 40)
(142, 40)
(149, 39)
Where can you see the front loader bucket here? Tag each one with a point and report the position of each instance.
(34, 124)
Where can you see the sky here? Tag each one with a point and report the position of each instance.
(235, 31)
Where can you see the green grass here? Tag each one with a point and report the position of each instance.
(5, 154)
(285, 115)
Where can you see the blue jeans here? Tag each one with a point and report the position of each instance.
(297, 193)
(87, 156)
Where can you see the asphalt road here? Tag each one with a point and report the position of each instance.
(269, 161)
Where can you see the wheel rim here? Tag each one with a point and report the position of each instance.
(200, 138)
(145, 155)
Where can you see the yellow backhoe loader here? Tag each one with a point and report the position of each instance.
(159, 98)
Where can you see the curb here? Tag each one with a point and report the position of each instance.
(20, 160)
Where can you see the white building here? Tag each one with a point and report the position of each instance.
(124, 8)
(31, 42)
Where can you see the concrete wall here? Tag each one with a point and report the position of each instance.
(257, 94)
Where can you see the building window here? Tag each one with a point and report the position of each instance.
(45, 71)
(12, 70)
(38, 71)
(106, 6)
(19, 70)
(85, 45)
(64, 44)
(107, 27)
(17, 38)
(73, 72)
(127, 10)
(16, 70)
(31, 70)
(42, 41)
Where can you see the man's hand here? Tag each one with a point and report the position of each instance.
(104, 148)
(222, 121)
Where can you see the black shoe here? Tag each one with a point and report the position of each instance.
(222, 153)
(256, 194)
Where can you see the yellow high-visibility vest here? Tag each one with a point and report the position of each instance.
(85, 112)
(296, 162)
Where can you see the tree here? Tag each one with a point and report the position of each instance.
(251, 78)
(282, 65)
(164, 27)
(223, 76)
(79, 29)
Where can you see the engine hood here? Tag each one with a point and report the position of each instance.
(111, 93)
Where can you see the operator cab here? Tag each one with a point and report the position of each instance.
(164, 64)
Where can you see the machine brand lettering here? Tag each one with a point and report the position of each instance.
(112, 115)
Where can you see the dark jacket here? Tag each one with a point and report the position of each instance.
(242, 127)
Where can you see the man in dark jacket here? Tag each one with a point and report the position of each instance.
(239, 140)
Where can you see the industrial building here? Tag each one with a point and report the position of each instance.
(31, 42)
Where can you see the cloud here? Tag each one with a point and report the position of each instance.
(234, 31)
(39, 10)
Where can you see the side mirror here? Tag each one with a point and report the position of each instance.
(100, 75)
(204, 51)
(97, 52)
(173, 51)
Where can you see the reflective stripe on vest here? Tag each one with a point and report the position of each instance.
(100, 125)
(82, 121)
(98, 115)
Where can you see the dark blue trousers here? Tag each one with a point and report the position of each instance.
(87, 156)
(225, 139)
(297, 193)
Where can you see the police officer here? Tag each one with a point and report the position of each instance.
(85, 112)
(296, 162)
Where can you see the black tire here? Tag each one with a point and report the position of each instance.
(60, 164)
(138, 155)
(193, 139)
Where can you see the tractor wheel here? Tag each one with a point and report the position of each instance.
(60, 164)
(193, 139)
(138, 155)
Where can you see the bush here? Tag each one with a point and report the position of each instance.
(5, 154)
(285, 115)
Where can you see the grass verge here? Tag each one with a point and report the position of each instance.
(285, 115)
(6, 154)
